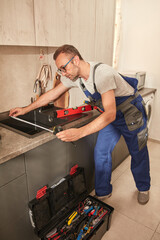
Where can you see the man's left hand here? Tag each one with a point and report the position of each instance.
(70, 135)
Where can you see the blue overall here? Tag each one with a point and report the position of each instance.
(131, 122)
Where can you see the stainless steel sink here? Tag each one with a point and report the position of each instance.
(44, 117)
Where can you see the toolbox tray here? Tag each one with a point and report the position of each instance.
(54, 205)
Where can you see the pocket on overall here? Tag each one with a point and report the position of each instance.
(133, 117)
(142, 138)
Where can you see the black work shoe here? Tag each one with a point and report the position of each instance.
(143, 197)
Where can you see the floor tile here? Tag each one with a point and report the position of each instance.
(92, 193)
(125, 228)
(154, 171)
(149, 143)
(120, 169)
(130, 219)
(124, 200)
(156, 236)
(154, 149)
(158, 229)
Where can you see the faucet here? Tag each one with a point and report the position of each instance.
(37, 81)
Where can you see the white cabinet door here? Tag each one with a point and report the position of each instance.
(83, 27)
(52, 22)
(104, 32)
(16, 22)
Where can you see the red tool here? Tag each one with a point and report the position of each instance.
(72, 111)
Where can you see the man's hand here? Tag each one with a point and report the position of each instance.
(43, 100)
(17, 111)
(70, 135)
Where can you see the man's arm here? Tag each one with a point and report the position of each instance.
(108, 116)
(43, 100)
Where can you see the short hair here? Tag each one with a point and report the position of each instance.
(68, 49)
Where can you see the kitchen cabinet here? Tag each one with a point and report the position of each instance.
(83, 27)
(83, 155)
(11, 170)
(104, 30)
(45, 164)
(92, 28)
(88, 25)
(52, 22)
(50, 162)
(15, 223)
(120, 153)
(17, 22)
(92, 33)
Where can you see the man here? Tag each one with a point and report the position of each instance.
(123, 114)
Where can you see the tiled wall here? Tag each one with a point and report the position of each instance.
(19, 67)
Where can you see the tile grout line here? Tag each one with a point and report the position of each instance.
(120, 175)
(136, 221)
(157, 227)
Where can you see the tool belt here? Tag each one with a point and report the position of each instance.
(123, 106)
(132, 113)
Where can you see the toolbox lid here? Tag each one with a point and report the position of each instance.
(52, 203)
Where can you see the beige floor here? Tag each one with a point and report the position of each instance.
(130, 220)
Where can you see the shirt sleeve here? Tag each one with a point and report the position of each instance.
(105, 80)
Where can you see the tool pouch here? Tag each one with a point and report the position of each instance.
(133, 117)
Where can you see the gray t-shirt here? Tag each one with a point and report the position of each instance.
(106, 78)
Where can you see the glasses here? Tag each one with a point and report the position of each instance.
(63, 68)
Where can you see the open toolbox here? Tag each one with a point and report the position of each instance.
(66, 211)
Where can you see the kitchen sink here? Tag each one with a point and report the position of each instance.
(44, 117)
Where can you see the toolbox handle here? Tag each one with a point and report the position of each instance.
(73, 169)
(31, 218)
(41, 192)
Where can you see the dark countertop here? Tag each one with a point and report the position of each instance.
(13, 144)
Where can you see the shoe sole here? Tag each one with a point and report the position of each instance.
(103, 197)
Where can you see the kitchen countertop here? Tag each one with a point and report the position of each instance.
(13, 144)
(146, 91)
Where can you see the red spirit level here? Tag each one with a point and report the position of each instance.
(71, 111)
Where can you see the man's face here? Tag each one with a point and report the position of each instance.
(68, 66)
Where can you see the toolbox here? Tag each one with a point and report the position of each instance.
(66, 211)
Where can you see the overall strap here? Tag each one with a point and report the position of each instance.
(96, 95)
(133, 82)
(95, 67)
(84, 89)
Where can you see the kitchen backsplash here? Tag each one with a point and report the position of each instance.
(19, 67)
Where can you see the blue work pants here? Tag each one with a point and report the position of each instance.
(136, 138)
